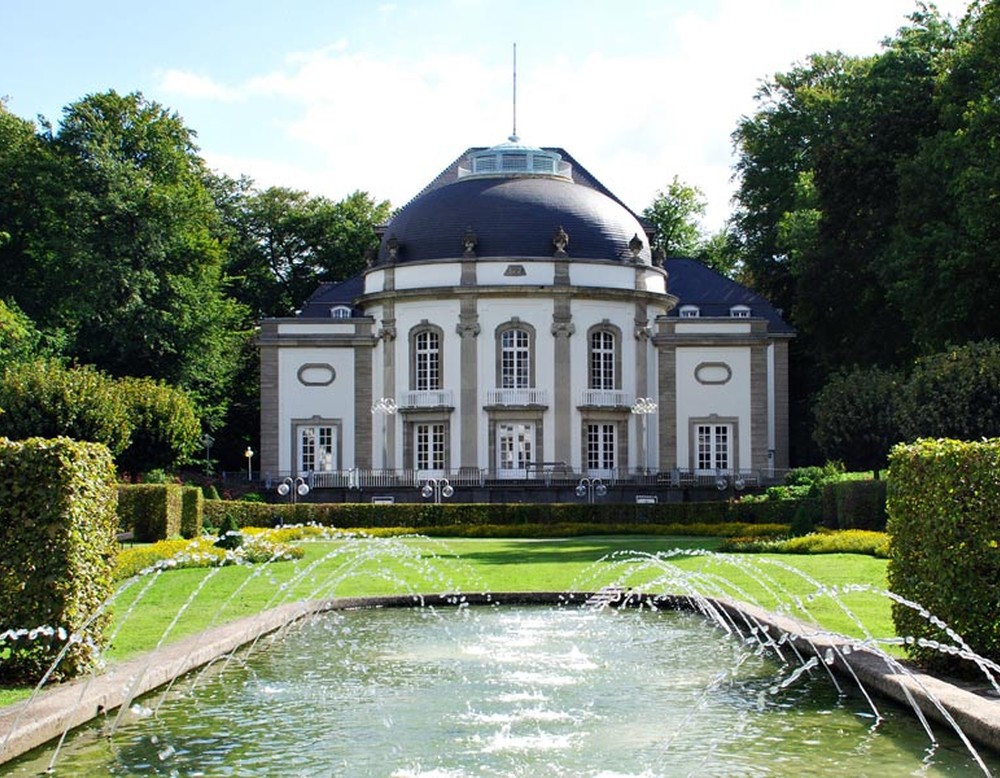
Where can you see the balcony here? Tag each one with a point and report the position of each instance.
(427, 398)
(517, 397)
(606, 398)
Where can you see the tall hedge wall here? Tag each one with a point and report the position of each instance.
(57, 550)
(249, 514)
(944, 519)
(151, 511)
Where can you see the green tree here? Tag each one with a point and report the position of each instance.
(116, 242)
(857, 417)
(44, 399)
(946, 247)
(954, 394)
(674, 213)
(283, 243)
(167, 430)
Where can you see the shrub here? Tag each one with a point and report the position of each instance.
(191, 511)
(45, 399)
(57, 498)
(230, 536)
(151, 511)
(201, 552)
(944, 519)
(167, 430)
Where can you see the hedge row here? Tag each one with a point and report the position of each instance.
(854, 505)
(153, 512)
(57, 500)
(944, 519)
(418, 515)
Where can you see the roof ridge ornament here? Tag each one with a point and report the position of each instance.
(469, 242)
(560, 240)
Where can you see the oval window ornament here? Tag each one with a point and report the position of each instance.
(316, 374)
(713, 373)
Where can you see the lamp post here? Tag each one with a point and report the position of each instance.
(385, 407)
(207, 441)
(437, 488)
(591, 487)
(249, 455)
(643, 407)
(293, 488)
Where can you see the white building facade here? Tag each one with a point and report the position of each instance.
(515, 326)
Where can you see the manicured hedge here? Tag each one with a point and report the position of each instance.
(944, 519)
(418, 515)
(151, 511)
(191, 511)
(57, 550)
(852, 504)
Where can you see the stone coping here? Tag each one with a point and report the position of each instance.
(54, 711)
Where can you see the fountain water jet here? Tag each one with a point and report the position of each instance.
(648, 581)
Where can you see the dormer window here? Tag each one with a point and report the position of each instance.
(340, 312)
(740, 312)
(690, 312)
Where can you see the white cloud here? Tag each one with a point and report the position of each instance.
(179, 82)
(634, 117)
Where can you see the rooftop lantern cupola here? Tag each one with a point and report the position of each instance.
(513, 158)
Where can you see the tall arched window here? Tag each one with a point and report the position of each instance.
(426, 360)
(603, 358)
(515, 359)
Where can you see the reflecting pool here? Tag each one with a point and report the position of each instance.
(504, 691)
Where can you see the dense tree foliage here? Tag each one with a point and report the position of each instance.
(866, 203)
(166, 433)
(283, 242)
(44, 399)
(857, 417)
(121, 250)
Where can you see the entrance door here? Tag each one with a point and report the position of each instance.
(317, 449)
(515, 449)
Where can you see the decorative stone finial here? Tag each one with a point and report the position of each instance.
(560, 240)
(659, 255)
(635, 246)
(469, 242)
(393, 245)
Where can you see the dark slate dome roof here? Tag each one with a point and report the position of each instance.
(515, 216)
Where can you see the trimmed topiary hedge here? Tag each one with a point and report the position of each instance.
(944, 519)
(191, 511)
(57, 500)
(854, 504)
(420, 515)
(150, 511)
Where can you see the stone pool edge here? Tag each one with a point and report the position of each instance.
(54, 711)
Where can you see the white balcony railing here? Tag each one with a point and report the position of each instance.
(606, 398)
(426, 398)
(517, 397)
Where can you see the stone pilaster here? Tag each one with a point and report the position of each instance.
(269, 397)
(468, 403)
(562, 405)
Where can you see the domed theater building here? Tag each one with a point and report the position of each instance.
(515, 334)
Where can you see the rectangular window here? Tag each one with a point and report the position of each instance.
(515, 360)
(713, 446)
(602, 360)
(427, 346)
(317, 449)
(600, 448)
(430, 440)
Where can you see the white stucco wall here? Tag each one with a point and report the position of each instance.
(489, 273)
(696, 400)
(298, 401)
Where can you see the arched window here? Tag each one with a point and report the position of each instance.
(426, 359)
(515, 359)
(603, 359)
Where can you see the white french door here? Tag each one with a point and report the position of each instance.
(515, 449)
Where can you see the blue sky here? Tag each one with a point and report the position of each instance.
(332, 96)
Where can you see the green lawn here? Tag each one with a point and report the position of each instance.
(176, 603)
(423, 565)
